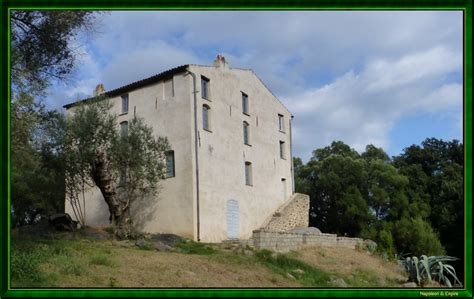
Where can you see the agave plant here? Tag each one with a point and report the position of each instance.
(426, 269)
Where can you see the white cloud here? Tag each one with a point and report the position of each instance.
(347, 75)
(140, 63)
(360, 109)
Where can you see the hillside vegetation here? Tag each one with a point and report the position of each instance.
(89, 258)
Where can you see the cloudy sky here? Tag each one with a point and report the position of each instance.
(390, 79)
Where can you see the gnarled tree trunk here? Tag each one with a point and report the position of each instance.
(119, 209)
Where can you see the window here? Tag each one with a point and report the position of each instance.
(246, 133)
(245, 104)
(281, 123)
(282, 149)
(124, 128)
(206, 117)
(125, 103)
(205, 87)
(248, 173)
(170, 164)
(169, 89)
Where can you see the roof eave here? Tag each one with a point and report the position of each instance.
(135, 85)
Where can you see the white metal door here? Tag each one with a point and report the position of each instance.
(232, 219)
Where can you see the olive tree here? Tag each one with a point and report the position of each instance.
(124, 164)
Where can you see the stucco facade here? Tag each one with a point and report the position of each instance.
(210, 198)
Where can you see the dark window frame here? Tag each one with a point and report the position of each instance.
(125, 103)
(281, 123)
(282, 150)
(245, 103)
(206, 121)
(173, 168)
(246, 132)
(205, 87)
(248, 173)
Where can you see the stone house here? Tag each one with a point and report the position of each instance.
(230, 168)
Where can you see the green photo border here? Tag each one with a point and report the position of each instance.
(7, 291)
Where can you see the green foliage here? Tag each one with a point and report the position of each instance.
(37, 176)
(335, 179)
(416, 236)
(425, 269)
(102, 259)
(71, 266)
(139, 158)
(41, 45)
(411, 203)
(284, 265)
(135, 162)
(191, 247)
(91, 127)
(28, 254)
(41, 51)
(25, 265)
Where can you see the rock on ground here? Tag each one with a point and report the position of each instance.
(339, 283)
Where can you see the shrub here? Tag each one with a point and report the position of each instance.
(416, 236)
(425, 269)
(24, 265)
(101, 259)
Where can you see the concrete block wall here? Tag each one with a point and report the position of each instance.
(294, 213)
(284, 241)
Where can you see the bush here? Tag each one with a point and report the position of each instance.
(425, 269)
(24, 265)
(101, 259)
(417, 237)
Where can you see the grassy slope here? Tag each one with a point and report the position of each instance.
(55, 261)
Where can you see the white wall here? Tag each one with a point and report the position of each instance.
(172, 210)
(222, 153)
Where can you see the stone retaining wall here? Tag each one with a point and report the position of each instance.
(284, 241)
(294, 213)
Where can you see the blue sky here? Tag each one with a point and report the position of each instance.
(386, 78)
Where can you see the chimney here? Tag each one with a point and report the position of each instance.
(99, 89)
(220, 62)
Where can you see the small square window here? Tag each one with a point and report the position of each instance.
(205, 82)
(125, 103)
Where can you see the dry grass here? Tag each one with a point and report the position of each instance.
(84, 262)
(132, 267)
(354, 265)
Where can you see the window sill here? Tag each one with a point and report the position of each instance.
(248, 144)
(207, 130)
(123, 113)
(170, 177)
(245, 113)
(282, 158)
(249, 185)
(207, 99)
(282, 132)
